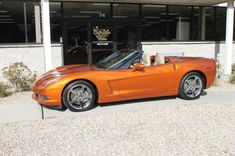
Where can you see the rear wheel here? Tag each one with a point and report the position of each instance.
(191, 86)
(79, 96)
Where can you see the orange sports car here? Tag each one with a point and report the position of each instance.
(124, 75)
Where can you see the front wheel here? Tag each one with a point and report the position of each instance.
(191, 86)
(79, 96)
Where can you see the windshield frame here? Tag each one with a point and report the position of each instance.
(109, 63)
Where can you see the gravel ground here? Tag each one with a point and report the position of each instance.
(176, 129)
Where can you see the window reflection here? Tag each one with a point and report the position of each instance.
(125, 10)
(55, 14)
(195, 25)
(13, 28)
(86, 10)
(179, 22)
(220, 24)
(210, 23)
(154, 24)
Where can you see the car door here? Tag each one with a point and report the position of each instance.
(151, 81)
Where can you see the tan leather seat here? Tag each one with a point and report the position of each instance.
(146, 59)
(159, 59)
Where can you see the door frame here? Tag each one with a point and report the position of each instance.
(89, 22)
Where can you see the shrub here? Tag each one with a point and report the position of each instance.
(20, 76)
(232, 79)
(3, 89)
(233, 68)
(219, 70)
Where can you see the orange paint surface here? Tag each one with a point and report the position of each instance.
(123, 84)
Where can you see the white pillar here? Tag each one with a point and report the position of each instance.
(46, 33)
(229, 37)
(37, 15)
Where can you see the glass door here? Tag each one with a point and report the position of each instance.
(127, 37)
(101, 41)
(78, 29)
(76, 44)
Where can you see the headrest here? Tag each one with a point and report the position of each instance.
(159, 59)
(146, 59)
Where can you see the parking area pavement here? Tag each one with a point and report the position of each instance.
(20, 106)
(160, 126)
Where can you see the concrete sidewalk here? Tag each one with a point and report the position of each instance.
(20, 106)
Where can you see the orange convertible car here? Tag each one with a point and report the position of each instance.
(124, 75)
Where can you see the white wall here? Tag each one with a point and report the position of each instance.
(30, 55)
(195, 49)
(33, 55)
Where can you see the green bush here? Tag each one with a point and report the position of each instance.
(219, 70)
(232, 79)
(20, 76)
(233, 68)
(3, 89)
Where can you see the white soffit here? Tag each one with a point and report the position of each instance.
(175, 2)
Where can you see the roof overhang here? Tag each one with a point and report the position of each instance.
(175, 2)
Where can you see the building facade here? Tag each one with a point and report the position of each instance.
(45, 34)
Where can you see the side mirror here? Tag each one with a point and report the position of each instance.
(138, 67)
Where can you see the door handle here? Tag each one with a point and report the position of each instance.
(176, 67)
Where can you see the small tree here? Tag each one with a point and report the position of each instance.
(20, 76)
(232, 79)
(233, 68)
(3, 89)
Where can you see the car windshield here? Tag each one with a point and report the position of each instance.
(113, 61)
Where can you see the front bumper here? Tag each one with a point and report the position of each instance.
(60, 108)
(47, 97)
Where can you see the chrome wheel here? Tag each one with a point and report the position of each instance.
(79, 97)
(193, 86)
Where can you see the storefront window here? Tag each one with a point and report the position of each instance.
(210, 23)
(220, 23)
(179, 23)
(73, 10)
(30, 22)
(233, 27)
(12, 22)
(125, 10)
(196, 33)
(55, 14)
(154, 24)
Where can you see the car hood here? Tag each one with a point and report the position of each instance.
(70, 69)
(66, 71)
(60, 72)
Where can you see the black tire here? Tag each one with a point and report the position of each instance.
(67, 90)
(182, 87)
